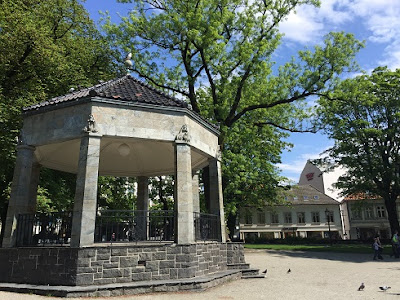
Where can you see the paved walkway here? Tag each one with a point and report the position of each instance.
(313, 276)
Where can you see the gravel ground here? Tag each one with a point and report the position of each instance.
(313, 276)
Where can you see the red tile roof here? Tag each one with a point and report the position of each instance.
(359, 196)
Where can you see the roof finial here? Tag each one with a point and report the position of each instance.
(127, 61)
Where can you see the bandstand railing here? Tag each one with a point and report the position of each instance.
(134, 225)
(44, 228)
(111, 226)
(206, 227)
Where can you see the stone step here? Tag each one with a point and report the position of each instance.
(132, 288)
(238, 266)
(252, 276)
(250, 272)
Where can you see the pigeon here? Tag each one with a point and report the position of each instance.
(384, 288)
(362, 286)
(265, 271)
(288, 271)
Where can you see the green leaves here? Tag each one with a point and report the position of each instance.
(218, 55)
(364, 121)
(46, 47)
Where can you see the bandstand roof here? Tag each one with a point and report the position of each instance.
(126, 88)
(126, 111)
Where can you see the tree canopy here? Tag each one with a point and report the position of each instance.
(363, 118)
(46, 47)
(219, 56)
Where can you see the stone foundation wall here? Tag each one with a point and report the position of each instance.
(115, 264)
(39, 265)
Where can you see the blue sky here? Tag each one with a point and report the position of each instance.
(377, 22)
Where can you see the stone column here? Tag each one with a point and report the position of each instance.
(184, 221)
(142, 207)
(195, 191)
(35, 177)
(21, 191)
(85, 205)
(216, 203)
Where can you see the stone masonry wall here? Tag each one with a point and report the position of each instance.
(115, 264)
(126, 264)
(38, 265)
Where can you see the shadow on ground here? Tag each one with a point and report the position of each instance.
(346, 257)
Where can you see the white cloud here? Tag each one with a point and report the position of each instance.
(301, 27)
(310, 23)
(296, 166)
(379, 19)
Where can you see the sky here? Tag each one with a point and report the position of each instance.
(377, 22)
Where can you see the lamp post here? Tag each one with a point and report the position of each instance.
(327, 213)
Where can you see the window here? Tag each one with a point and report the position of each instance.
(315, 217)
(274, 218)
(380, 212)
(305, 197)
(355, 213)
(329, 216)
(248, 219)
(316, 197)
(301, 217)
(261, 217)
(369, 214)
(288, 218)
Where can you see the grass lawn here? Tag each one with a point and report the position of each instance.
(350, 248)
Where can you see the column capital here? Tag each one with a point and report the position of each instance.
(183, 137)
(26, 147)
(219, 154)
(92, 135)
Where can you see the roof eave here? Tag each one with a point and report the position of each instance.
(42, 109)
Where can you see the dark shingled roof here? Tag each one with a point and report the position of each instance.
(306, 195)
(125, 88)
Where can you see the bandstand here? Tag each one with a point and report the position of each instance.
(122, 127)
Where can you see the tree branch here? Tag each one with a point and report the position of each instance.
(261, 124)
(158, 84)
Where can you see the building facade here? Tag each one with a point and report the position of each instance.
(365, 217)
(305, 212)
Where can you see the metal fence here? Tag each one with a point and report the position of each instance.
(206, 226)
(111, 226)
(43, 228)
(134, 225)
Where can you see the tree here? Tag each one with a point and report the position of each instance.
(116, 193)
(218, 54)
(161, 191)
(364, 121)
(46, 47)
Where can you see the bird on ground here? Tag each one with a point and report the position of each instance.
(362, 286)
(288, 271)
(384, 288)
(265, 271)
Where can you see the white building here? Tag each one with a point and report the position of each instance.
(366, 217)
(306, 213)
(322, 181)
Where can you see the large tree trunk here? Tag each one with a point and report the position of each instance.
(391, 208)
